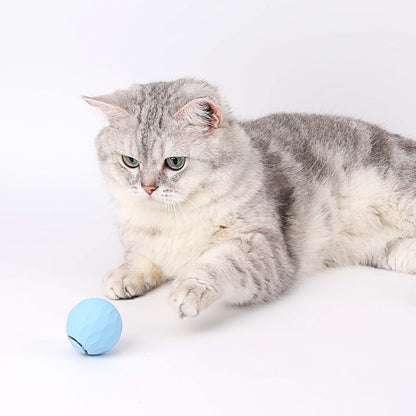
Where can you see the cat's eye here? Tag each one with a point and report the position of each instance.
(129, 161)
(175, 163)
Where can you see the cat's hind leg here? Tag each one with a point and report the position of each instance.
(400, 255)
(132, 279)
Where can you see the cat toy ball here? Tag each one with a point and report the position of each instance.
(94, 326)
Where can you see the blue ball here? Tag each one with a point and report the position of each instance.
(94, 326)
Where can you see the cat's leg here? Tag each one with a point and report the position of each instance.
(243, 270)
(133, 278)
(400, 255)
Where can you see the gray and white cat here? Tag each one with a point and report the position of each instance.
(236, 210)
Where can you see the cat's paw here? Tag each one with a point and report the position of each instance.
(190, 296)
(125, 283)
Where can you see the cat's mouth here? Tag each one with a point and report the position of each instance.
(166, 197)
(157, 199)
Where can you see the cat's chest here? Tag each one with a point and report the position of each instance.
(169, 239)
(172, 248)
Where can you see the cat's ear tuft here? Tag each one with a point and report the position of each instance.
(202, 113)
(112, 111)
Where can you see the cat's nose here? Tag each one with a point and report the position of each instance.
(149, 189)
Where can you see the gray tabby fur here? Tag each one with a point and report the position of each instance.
(258, 202)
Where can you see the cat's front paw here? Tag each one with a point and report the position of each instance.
(190, 296)
(126, 283)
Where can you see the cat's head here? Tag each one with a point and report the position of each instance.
(168, 142)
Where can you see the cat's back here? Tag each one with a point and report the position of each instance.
(304, 135)
(315, 147)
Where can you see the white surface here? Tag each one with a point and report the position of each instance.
(339, 343)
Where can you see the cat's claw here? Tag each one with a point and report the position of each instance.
(190, 296)
(122, 283)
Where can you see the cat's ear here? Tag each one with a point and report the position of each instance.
(112, 111)
(201, 113)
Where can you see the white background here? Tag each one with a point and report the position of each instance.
(340, 343)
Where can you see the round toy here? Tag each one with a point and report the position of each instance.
(94, 326)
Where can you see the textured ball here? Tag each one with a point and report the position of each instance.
(94, 326)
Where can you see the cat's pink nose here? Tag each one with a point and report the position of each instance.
(149, 189)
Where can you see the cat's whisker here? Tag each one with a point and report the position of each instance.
(189, 203)
(170, 213)
(176, 220)
(173, 214)
(184, 216)
(188, 206)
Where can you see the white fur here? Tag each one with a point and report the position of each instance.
(402, 257)
(366, 212)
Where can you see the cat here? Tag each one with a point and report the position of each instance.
(236, 210)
